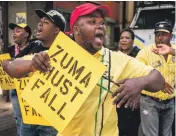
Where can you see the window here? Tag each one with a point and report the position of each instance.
(148, 18)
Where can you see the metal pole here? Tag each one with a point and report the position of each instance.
(5, 25)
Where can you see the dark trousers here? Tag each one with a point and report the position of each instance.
(128, 121)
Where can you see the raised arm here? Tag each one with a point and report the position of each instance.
(20, 67)
(17, 68)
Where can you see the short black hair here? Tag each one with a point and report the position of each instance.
(128, 30)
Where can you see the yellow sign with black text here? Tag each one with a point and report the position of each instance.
(59, 94)
(29, 114)
(6, 82)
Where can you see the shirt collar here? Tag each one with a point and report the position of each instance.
(99, 53)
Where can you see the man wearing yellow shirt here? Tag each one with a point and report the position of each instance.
(157, 109)
(97, 116)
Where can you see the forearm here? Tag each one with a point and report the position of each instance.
(153, 82)
(17, 68)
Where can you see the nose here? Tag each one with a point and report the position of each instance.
(39, 24)
(100, 26)
(123, 39)
(160, 37)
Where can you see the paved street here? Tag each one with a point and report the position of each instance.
(7, 122)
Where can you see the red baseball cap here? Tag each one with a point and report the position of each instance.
(86, 9)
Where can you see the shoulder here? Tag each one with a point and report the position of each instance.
(148, 47)
(119, 58)
(35, 43)
(11, 48)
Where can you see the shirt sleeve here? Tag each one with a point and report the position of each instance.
(134, 69)
(142, 56)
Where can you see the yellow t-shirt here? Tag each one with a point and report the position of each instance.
(98, 110)
(166, 68)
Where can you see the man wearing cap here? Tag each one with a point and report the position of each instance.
(97, 116)
(51, 23)
(21, 37)
(157, 109)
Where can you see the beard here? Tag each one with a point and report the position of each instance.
(86, 44)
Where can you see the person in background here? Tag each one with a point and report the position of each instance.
(128, 118)
(157, 109)
(126, 43)
(49, 26)
(163, 49)
(21, 37)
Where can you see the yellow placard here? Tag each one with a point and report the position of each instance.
(6, 82)
(29, 114)
(59, 94)
(21, 17)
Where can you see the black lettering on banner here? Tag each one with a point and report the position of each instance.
(2, 72)
(53, 98)
(22, 83)
(23, 101)
(65, 85)
(1, 63)
(6, 80)
(63, 59)
(51, 71)
(48, 74)
(34, 112)
(86, 79)
(60, 110)
(55, 77)
(78, 91)
(36, 84)
(39, 115)
(46, 94)
(26, 108)
(76, 70)
(1, 80)
(59, 51)
(10, 80)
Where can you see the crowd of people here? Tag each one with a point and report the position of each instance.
(144, 79)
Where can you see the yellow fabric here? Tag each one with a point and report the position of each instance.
(30, 56)
(166, 68)
(84, 124)
(23, 25)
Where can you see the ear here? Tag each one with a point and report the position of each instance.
(171, 36)
(26, 34)
(57, 30)
(76, 30)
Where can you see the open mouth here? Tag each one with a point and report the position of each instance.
(99, 38)
(39, 31)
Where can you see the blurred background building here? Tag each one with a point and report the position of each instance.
(24, 11)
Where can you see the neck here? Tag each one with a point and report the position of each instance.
(127, 51)
(87, 48)
(48, 43)
(22, 45)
